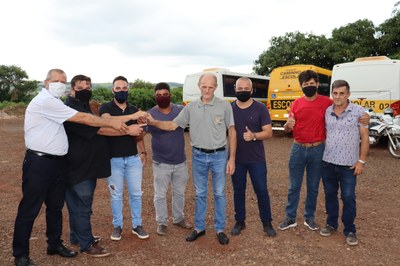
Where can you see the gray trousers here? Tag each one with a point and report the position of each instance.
(177, 175)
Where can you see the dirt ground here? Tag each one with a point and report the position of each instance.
(377, 219)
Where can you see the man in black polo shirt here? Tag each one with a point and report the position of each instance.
(88, 159)
(126, 163)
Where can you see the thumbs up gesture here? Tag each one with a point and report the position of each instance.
(248, 135)
(291, 121)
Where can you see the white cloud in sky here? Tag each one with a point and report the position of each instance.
(161, 40)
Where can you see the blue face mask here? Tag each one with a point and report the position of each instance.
(121, 96)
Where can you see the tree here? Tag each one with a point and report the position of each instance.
(389, 32)
(293, 48)
(138, 83)
(14, 85)
(352, 41)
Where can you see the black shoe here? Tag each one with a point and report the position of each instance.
(194, 235)
(222, 238)
(23, 261)
(61, 250)
(268, 229)
(237, 228)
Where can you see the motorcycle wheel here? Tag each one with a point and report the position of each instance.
(396, 141)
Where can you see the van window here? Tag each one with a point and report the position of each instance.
(260, 86)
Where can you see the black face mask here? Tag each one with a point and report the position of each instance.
(121, 96)
(83, 95)
(309, 91)
(243, 96)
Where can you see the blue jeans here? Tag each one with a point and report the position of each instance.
(258, 175)
(129, 169)
(202, 163)
(79, 199)
(309, 159)
(333, 177)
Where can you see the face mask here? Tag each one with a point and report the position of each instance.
(243, 96)
(310, 91)
(57, 89)
(83, 95)
(121, 96)
(163, 101)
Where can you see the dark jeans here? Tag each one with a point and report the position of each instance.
(79, 199)
(333, 177)
(258, 175)
(43, 180)
(309, 159)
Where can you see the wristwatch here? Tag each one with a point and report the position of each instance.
(254, 136)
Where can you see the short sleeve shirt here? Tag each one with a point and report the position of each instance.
(342, 146)
(44, 129)
(168, 146)
(120, 146)
(254, 118)
(208, 122)
(310, 119)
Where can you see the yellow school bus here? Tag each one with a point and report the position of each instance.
(284, 88)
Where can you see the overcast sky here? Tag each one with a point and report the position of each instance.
(155, 40)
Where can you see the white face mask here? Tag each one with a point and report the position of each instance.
(57, 89)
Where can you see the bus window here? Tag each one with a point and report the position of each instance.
(324, 83)
(260, 86)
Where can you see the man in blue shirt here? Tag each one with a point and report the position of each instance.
(169, 161)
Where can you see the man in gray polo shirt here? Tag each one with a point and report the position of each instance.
(208, 118)
(343, 160)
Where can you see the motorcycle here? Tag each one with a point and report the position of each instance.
(385, 126)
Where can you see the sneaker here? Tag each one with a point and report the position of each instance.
(140, 232)
(351, 239)
(237, 228)
(327, 230)
(287, 223)
(268, 229)
(161, 229)
(311, 224)
(96, 251)
(116, 234)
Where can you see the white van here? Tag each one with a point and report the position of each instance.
(374, 82)
(226, 81)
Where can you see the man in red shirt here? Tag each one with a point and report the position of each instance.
(307, 122)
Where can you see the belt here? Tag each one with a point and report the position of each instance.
(309, 145)
(210, 151)
(45, 155)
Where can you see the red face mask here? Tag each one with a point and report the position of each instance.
(163, 101)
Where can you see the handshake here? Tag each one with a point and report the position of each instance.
(143, 119)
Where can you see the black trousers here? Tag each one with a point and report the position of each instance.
(43, 180)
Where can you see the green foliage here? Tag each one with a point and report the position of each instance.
(177, 95)
(143, 98)
(141, 84)
(14, 85)
(389, 40)
(102, 94)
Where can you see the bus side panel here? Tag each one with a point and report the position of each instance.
(373, 84)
